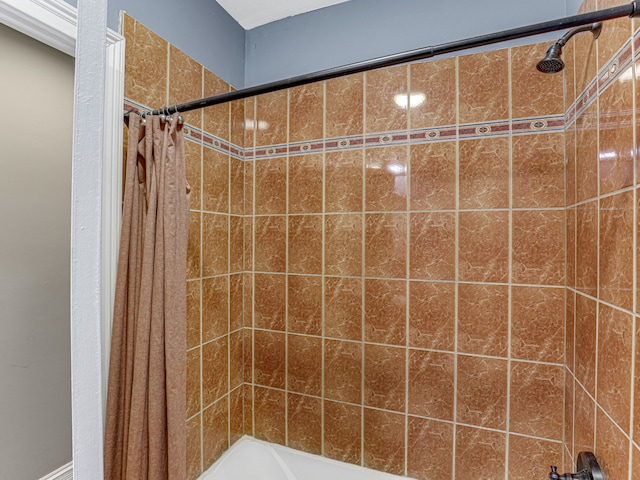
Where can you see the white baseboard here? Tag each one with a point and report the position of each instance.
(63, 473)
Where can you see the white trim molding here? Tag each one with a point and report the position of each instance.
(63, 473)
(95, 219)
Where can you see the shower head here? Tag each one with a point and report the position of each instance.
(552, 63)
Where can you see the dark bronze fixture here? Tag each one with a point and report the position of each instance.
(588, 469)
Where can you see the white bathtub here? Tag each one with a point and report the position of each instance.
(251, 459)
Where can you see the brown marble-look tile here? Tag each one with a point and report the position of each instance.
(584, 422)
(305, 305)
(240, 112)
(343, 181)
(270, 420)
(236, 247)
(384, 377)
(193, 314)
(305, 184)
(193, 160)
(236, 400)
(304, 365)
(270, 301)
(534, 94)
(271, 118)
(215, 370)
(345, 106)
(536, 400)
(215, 432)
(385, 307)
(586, 342)
(614, 33)
(636, 399)
(193, 382)
(483, 246)
(616, 135)
(616, 250)
(343, 244)
(385, 245)
(343, 371)
(483, 319)
(612, 448)
(247, 241)
(269, 358)
(247, 300)
(304, 423)
(538, 170)
(482, 392)
(247, 334)
(305, 244)
(431, 384)
(343, 308)
(215, 307)
(432, 176)
(215, 244)
(271, 186)
(484, 86)
(185, 83)
(236, 359)
(386, 178)
(270, 244)
(383, 87)
(587, 248)
(249, 172)
(570, 149)
(236, 187)
(568, 55)
(587, 154)
(247, 393)
(215, 176)
(570, 334)
(216, 118)
(586, 64)
(343, 432)
(430, 449)
(537, 324)
(571, 229)
(306, 112)
(384, 441)
(145, 81)
(432, 308)
(530, 457)
(432, 246)
(478, 450)
(569, 408)
(193, 245)
(483, 175)
(436, 81)
(615, 364)
(194, 460)
(538, 247)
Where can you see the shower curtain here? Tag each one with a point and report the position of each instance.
(146, 403)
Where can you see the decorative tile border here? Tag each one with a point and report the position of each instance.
(616, 67)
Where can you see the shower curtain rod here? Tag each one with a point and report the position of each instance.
(630, 10)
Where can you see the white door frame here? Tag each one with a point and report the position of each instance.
(55, 23)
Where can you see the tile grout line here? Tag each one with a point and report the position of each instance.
(457, 276)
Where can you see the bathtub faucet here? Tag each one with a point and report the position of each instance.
(583, 475)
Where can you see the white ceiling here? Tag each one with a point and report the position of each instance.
(253, 13)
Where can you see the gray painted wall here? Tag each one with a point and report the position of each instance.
(200, 28)
(364, 29)
(35, 245)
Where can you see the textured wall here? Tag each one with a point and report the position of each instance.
(602, 391)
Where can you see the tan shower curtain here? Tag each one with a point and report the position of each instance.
(146, 404)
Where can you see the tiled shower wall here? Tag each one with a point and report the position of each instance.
(408, 268)
(603, 364)
(158, 74)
